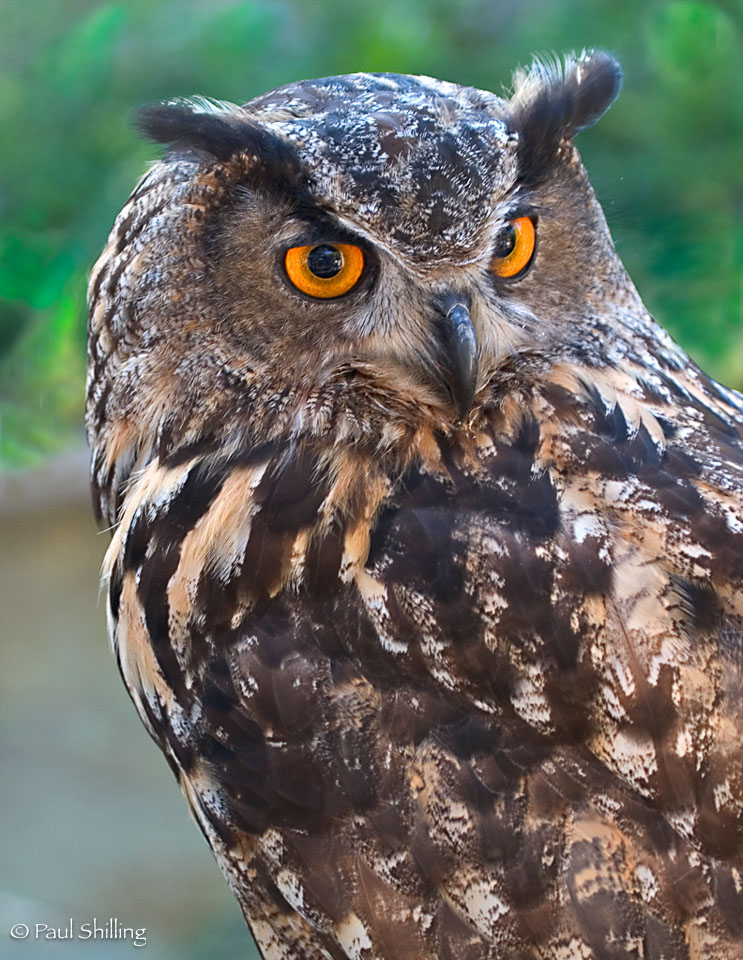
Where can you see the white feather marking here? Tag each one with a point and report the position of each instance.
(353, 936)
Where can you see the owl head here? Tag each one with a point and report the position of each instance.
(394, 241)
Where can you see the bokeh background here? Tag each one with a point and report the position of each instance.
(91, 823)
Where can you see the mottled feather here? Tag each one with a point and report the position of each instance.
(433, 687)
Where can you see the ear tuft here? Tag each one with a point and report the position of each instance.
(552, 102)
(220, 131)
(209, 126)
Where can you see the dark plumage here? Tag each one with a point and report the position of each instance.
(426, 570)
(551, 105)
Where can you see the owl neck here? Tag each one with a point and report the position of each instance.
(227, 412)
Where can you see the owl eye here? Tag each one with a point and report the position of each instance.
(325, 270)
(514, 248)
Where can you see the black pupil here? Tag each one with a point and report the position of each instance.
(325, 262)
(506, 241)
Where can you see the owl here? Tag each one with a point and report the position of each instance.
(426, 572)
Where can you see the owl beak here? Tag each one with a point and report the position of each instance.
(457, 355)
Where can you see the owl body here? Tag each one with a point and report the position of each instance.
(428, 589)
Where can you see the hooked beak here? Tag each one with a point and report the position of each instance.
(456, 354)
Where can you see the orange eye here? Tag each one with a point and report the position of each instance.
(324, 270)
(514, 248)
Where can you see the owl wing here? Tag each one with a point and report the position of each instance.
(481, 701)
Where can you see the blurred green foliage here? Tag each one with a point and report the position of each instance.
(666, 161)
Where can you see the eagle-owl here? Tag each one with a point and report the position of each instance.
(427, 564)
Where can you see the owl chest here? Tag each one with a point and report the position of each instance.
(242, 625)
(278, 647)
